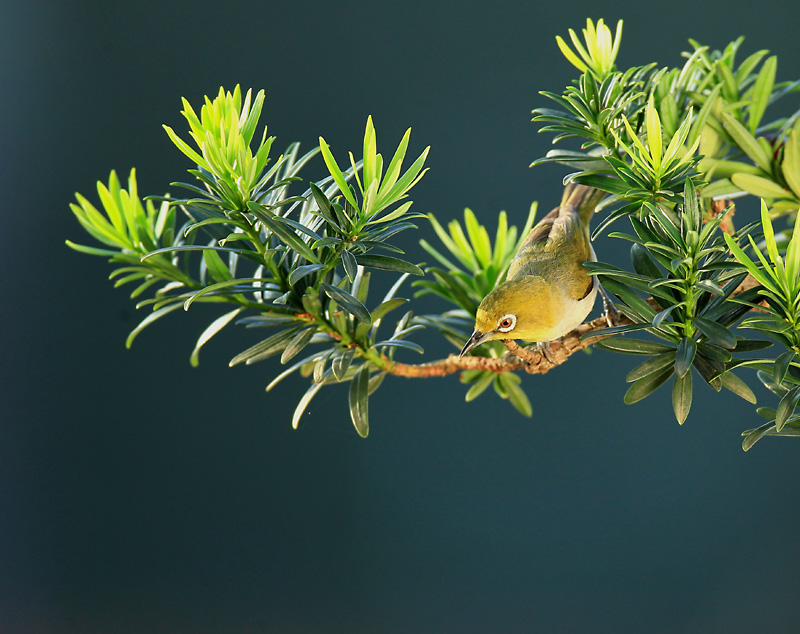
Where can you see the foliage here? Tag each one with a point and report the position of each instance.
(480, 268)
(307, 257)
(680, 262)
(668, 145)
(778, 317)
(640, 130)
(600, 53)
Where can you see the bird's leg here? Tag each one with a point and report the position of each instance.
(546, 351)
(609, 310)
(518, 351)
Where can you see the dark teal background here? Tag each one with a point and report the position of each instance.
(138, 494)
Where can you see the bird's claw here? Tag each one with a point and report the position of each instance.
(610, 311)
(544, 349)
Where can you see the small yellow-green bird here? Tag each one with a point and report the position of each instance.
(547, 292)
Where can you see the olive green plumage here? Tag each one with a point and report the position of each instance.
(547, 291)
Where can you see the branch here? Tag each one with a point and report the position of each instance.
(453, 364)
(519, 358)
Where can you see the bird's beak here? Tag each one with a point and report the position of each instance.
(476, 339)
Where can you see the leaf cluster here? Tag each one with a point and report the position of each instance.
(598, 54)
(647, 137)
(742, 152)
(778, 318)
(473, 266)
(680, 263)
(299, 262)
(711, 104)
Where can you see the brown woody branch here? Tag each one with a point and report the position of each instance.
(519, 358)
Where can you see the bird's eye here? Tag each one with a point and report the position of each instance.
(506, 323)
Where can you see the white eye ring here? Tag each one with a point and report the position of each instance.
(507, 323)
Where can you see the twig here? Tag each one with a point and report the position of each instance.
(519, 358)
(453, 364)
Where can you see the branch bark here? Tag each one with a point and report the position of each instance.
(517, 357)
(522, 358)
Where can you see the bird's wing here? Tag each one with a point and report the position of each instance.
(558, 228)
(569, 238)
(553, 249)
(533, 247)
(568, 230)
(540, 231)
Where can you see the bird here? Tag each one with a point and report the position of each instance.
(548, 291)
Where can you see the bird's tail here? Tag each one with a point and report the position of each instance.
(582, 199)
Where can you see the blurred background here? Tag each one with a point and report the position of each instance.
(138, 494)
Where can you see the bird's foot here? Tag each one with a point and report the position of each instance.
(546, 351)
(610, 311)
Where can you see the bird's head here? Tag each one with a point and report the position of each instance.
(523, 308)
